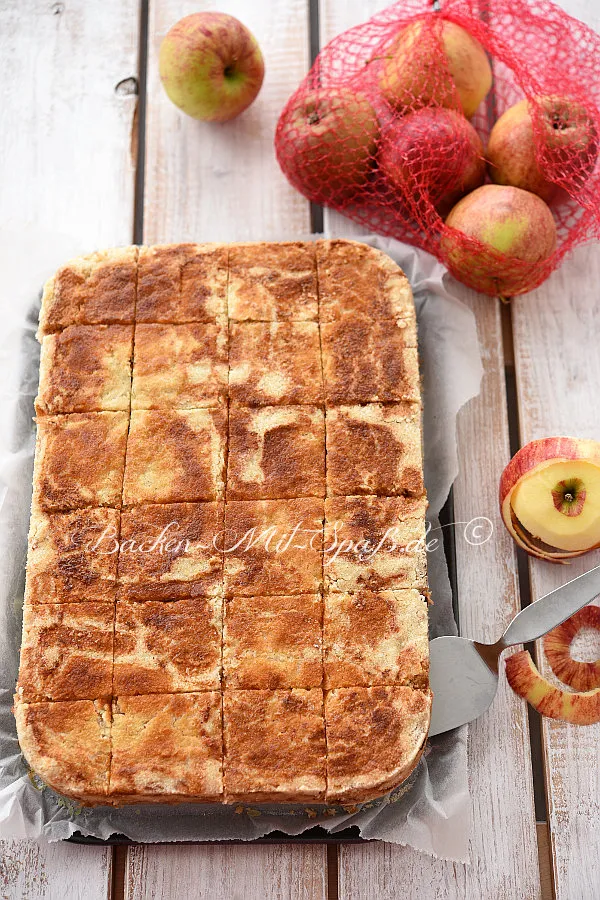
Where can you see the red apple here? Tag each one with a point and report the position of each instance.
(578, 708)
(435, 62)
(582, 676)
(567, 140)
(211, 66)
(433, 151)
(495, 237)
(550, 497)
(326, 142)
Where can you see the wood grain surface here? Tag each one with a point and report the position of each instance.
(557, 335)
(503, 834)
(221, 182)
(31, 871)
(207, 182)
(68, 146)
(69, 74)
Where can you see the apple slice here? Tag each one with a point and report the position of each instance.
(578, 708)
(582, 676)
(550, 497)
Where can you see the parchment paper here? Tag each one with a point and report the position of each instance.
(431, 810)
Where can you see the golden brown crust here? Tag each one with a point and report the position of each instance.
(166, 748)
(355, 278)
(85, 368)
(276, 452)
(375, 737)
(168, 647)
(274, 745)
(374, 449)
(170, 550)
(220, 483)
(376, 639)
(366, 361)
(180, 366)
(68, 745)
(272, 547)
(273, 642)
(66, 652)
(268, 282)
(275, 363)
(374, 542)
(182, 283)
(72, 557)
(79, 460)
(90, 290)
(175, 456)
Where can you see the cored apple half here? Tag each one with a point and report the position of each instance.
(576, 707)
(550, 497)
(582, 676)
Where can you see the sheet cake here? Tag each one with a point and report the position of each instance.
(226, 579)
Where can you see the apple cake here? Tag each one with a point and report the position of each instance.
(226, 590)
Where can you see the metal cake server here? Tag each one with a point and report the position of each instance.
(464, 674)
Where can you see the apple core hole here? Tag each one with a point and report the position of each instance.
(228, 71)
(585, 646)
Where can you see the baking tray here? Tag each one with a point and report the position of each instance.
(316, 834)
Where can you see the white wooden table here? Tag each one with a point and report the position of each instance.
(74, 159)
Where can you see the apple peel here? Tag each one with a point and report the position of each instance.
(577, 708)
(581, 676)
(561, 511)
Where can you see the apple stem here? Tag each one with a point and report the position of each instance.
(569, 497)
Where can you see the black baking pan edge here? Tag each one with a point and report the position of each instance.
(316, 834)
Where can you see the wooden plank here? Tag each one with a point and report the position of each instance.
(557, 334)
(31, 871)
(221, 182)
(227, 873)
(66, 153)
(556, 337)
(68, 117)
(503, 845)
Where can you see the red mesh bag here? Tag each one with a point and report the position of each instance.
(391, 126)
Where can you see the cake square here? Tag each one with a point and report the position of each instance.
(85, 368)
(276, 452)
(72, 557)
(182, 283)
(68, 745)
(166, 748)
(356, 278)
(274, 745)
(375, 736)
(273, 642)
(366, 361)
(168, 647)
(91, 290)
(273, 547)
(175, 456)
(268, 282)
(79, 460)
(377, 543)
(66, 651)
(374, 449)
(170, 551)
(179, 366)
(275, 363)
(376, 639)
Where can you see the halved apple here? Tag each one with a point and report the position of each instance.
(550, 497)
(582, 676)
(579, 708)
